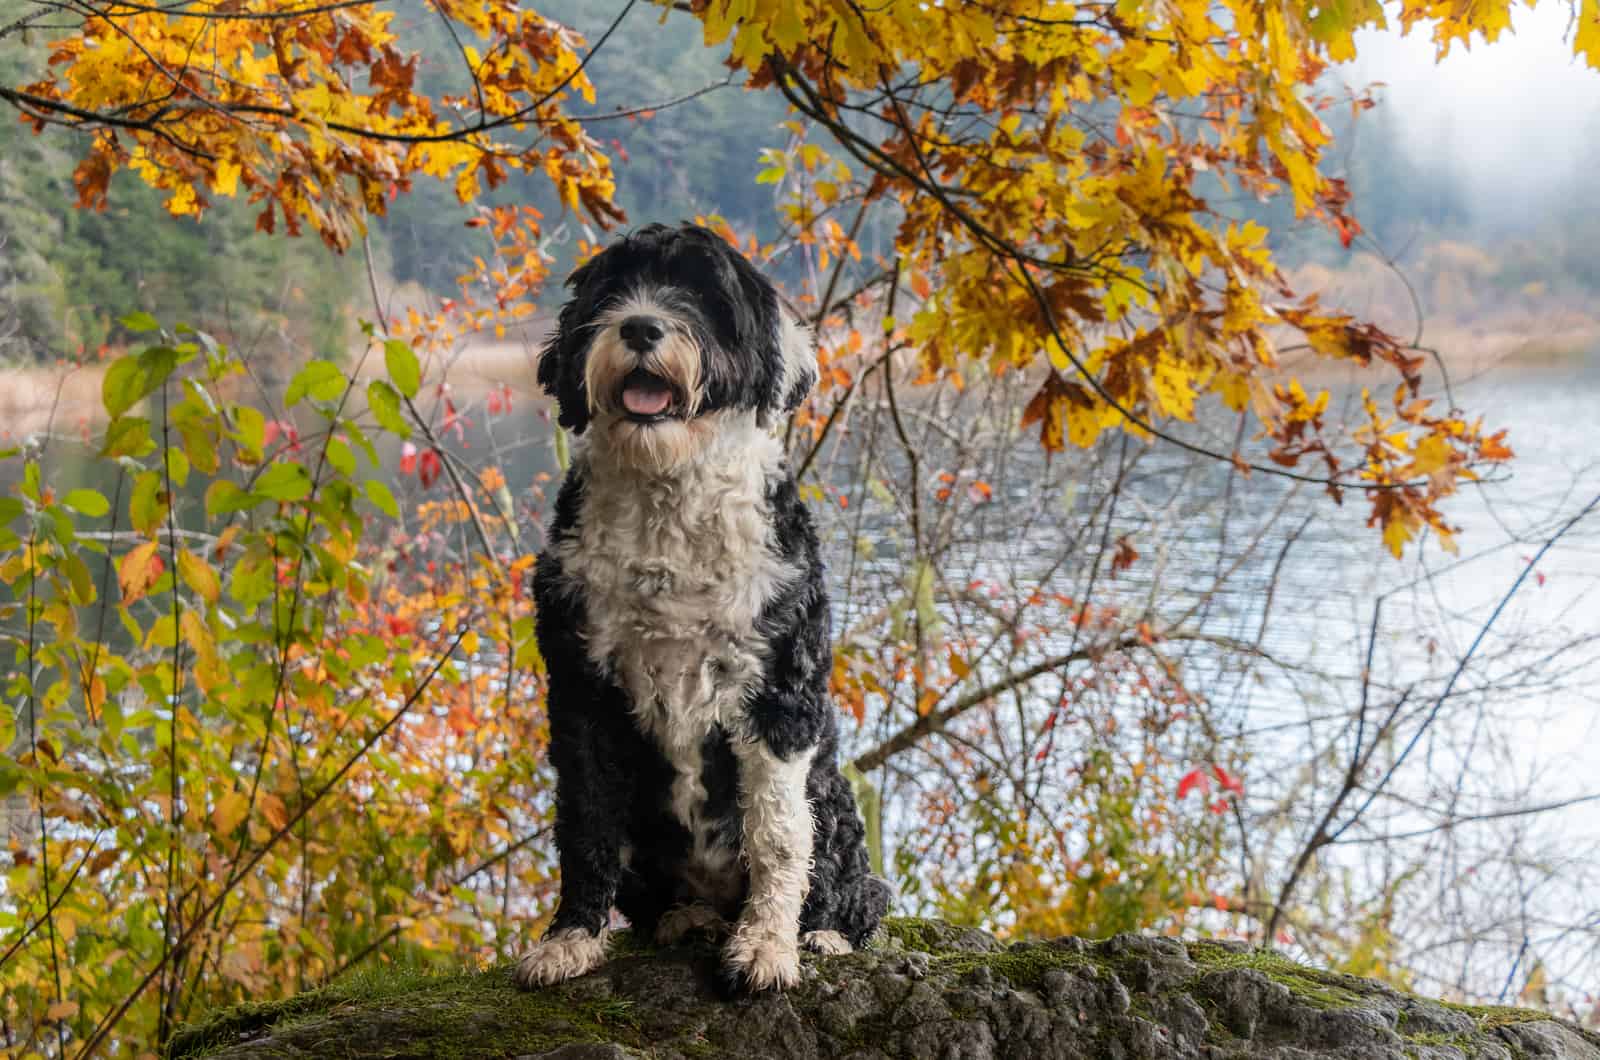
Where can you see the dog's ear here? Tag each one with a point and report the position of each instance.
(798, 350)
(561, 362)
(785, 358)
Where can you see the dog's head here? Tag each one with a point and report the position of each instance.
(667, 332)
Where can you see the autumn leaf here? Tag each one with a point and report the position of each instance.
(138, 570)
(1194, 780)
(198, 575)
(230, 812)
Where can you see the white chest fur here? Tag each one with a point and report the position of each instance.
(675, 572)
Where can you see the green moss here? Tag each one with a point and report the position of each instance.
(1319, 989)
(1023, 966)
(467, 1013)
(925, 936)
(1488, 1017)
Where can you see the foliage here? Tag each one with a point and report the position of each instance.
(264, 724)
(66, 275)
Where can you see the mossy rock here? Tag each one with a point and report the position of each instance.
(925, 989)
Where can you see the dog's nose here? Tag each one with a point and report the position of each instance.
(641, 333)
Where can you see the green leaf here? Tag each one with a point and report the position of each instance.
(157, 362)
(123, 386)
(139, 321)
(148, 506)
(178, 466)
(200, 447)
(340, 456)
(163, 634)
(319, 380)
(224, 498)
(354, 432)
(382, 499)
(284, 482)
(871, 805)
(87, 502)
(10, 508)
(385, 405)
(252, 432)
(128, 436)
(403, 367)
(563, 449)
(82, 582)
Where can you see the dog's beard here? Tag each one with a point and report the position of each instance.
(618, 393)
(660, 447)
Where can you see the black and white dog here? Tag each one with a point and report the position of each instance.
(684, 623)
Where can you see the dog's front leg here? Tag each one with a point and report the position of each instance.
(588, 727)
(763, 952)
(589, 837)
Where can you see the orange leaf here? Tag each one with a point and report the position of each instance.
(138, 571)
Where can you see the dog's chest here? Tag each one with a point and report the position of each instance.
(675, 574)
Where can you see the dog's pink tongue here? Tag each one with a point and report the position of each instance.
(646, 400)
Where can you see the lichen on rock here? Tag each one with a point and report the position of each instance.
(925, 989)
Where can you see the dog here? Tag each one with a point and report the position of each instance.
(684, 623)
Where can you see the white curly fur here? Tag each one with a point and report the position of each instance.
(777, 843)
(562, 956)
(827, 943)
(676, 569)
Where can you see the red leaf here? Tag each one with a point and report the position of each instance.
(1228, 781)
(408, 458)
(430, 468)
(1195, 778)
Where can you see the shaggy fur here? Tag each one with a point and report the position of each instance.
(684, 622)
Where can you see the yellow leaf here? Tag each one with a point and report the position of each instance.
(229, 812)
(198, 575)
(1396, 533)
(226, 180)
(1586, 39)
(1431, 454)
(958, 665)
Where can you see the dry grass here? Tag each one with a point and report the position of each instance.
(49, 397)
(65, 398)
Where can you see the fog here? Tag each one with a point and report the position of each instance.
(1516, 123)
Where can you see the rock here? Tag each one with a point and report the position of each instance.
(925, 989)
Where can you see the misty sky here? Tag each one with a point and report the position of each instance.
(1518, 117)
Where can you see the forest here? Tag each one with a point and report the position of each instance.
(1204, 469)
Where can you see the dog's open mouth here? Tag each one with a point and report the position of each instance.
(646, 397)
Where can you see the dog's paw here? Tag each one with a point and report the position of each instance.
(827, 943)
(562, 956)
(753, 962)
(687, 919)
